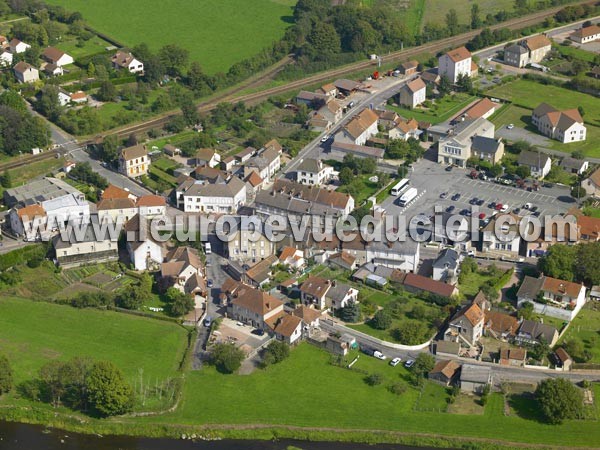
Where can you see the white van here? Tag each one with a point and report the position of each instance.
(207, 248)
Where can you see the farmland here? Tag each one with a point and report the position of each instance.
(216, 33)
(435, 10)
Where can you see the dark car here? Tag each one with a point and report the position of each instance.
(449, 169)
(492, 205)
(536, 213)
(533, 209)
(465, 212)
(517, 210)
(209, 283)
(480, 202)
(258, 332)
(473, 201)
(443, 195)
(455, 197)
(450, 208)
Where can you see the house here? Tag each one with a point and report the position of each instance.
(311, 99)
(247, 244)
(393, 254)
(27, 220)
(207, 157)
(574, 166)
(445, 265)
(78, 97)
(183, 270)
(152, 206)
(125, 60)
(88, 248)
(222, 197)
(313, 172)
(245, 155)
(405, 130)
(418, 283)
(340, 295)
(482, 108)
(328, 89)
(17, 46)
(254, 183)
(6, 58)
(551, 296)
(409, 67)
(531, 332)
(144, 252)
(359, 129)
(466, 326)
(529, 51)
(592, 184)
(210, 175)
(116, 210)
(171, 150)
(286, 327)
(260, 273)
(266, 164)
(347, 87)
(500, 325)
(487, 149)
(52, 70)
(431, 77)
(413, 93)
(227, 163)
(444, 372)
(587, 34)
(254, 307)
(474, 379)
(539, 163)
(332, 111)
(3, 42)
(57, 57)
(318, 123)
(454, 64)
(387, 119)
(563, 360)
(26, 73)
(313, 291)
(64, 98)
(310, 316)
(343, 260)
(456, 146)
(341, 148)
(134, 161)
(113, 191)
(292, 258)
(589, 228)
(505, 244)
(564, 126)
(516, 55)
(514, 357)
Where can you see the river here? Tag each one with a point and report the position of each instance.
(15, 436)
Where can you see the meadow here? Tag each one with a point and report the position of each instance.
(216, 33)
(436, 10)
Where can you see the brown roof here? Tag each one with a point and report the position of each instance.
(260, 271)
(407, 126)
(113, 191)
(595, 177)
(284, 324)
(122, 59)
(416, 85)
(448, 368)
(501, 323)
(429, 285)
(473, 314)
(517, 354)
(287, 252)
(255, 301)
(137, 151)
(273, 144)
(78, 95)
(459, 54)
(22, 67)
(311, 193)
(538, 42)
(188, 255)
(31, 211)
(315, 286)
(151, 200)
(587, 31)
(306, 313)
(562, 355)
(345, 257)
(360, 122)
(561, 287)
(588, 226)
(480, 108)
(52, 54)
(254, 179)
(413, 64)
(115, 203)
(205, 154)
(230, 285)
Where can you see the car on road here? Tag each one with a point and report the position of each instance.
(471, 253)
(510, 126)
(443, 195)
(207, 248)
(394, 362)
(207, 321)
(455, 197)
(408, 364)
(209, 283)
(325, 138)
(448, 169)
(450, 208)
(377, 354)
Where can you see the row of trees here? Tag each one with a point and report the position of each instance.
(20, 131)
(578, 263)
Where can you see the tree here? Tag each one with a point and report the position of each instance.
(424, 364)
(179, 302)
(559, 400)
(521, 5)
(350, 312)
(227, 358)
(107, 92)
(52, 382)
(559, 262)
(382, 320)
(91, 70)
(108, 392)
(275, 352)
(6, 179)
(6, 375)
(174, 59)
(47, 103)
(346, 176)
(131, 297)
(374, 379)
(189, 110)
(587, 266)
(475, 19)
(525, 311)
(464, 83)
(523, 171)
(110, 147)
(410, 333)
(323, 40)
(452, 21)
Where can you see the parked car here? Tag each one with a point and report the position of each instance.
(517, 210)
(498, 206)
(450, 208)
(510, 126)
(258, 332)
(209, 283)
(394, 362)
(492, 205)
(449, 169)
(377, 354)
(481, 216)
(408, 364)
(207, 321)
(465, 212)
(533, 209)
(527, 205)
(473, 201)
(443, 195)
(455, 197)
(480, 202)
(504, 208)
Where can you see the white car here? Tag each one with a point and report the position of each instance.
(325, 138)
(408, 364)
(527, 205)
(394, 362)
(510, 126)
(377, 354)
(504, 208)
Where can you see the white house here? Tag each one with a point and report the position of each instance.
(198, 196)
(266, 163)
(456, 146)
(313, 172)
(413, 93)
(29, 221)
(539, 163)
(551, 296)
(152, 206)
(26, 73)
(134, 161)
(183, 270)
(208, 157)
(405, 130)
(17, 46)
(57, 57)
(125, 60)
(286, 327)
(292, 257)
(505, 243)
(586, 34)
(455, 63)
(564, 126)
(63, 98)
(360, 128)
(116, 209)
(6, 58)
(254, 307)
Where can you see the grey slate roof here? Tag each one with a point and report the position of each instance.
(534, 159)
(448, 257)
(484, 144)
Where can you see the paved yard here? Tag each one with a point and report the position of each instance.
(521, 134)
(241, 335)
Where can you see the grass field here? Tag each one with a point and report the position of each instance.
(569, 50)
(217, 33)
(436, 10)
(447, 107)
(586, 327)
(33, 170)
(32, 334)
(321, 395)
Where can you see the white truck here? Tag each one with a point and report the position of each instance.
(408, 196)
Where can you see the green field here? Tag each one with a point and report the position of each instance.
(307, 391)
(586, 328)
(217, 33)
(32, 333)
(442, 110)
(436, 10)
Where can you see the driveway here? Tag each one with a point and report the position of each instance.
(521, 134)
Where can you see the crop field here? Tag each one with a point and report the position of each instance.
(436, 10)
(216, 33)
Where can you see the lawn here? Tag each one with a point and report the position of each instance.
(360, 188)
(90, 47)
(35, 169)
(446, 108)
(518, 116)
(578, 53)
(33, 333)
(216, 33)
(586, 328)
(436, 10)
(322, 395)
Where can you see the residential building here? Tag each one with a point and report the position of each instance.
(574, 166)
(500, 325)
(506, 244)
(516, 55)
(113, 191)
(588, 228)
(152, 206)
(207, 157)
(532, 332)
(405, 130)
(487, 149)
(78, 97)
(17, 46)
(247, 243)
(332, 111)
(254, 307)
(227, 163)
(564, 126)
(286, 327)
(413, 93)
(260, 273)
(57, 57)
(311, 99)
(266, 164)
(183, 270)
(344, 260)
(144, 252)
(292, 258)
(454, 64)
(26, 73)
(456, 146)
(482, 108)
(563, 359)
(587, 34)
(592, 184)
(134, 161)
(313, 172)
(514, 357)
(52, 70)
(431, 77)
(474, 379)
(245, 155)
(445, 265)
(444, 372)
(125, 60)
(340, 295)
(328, 89)
(6, 58)
(551, 296)
(466, 326)
(310, 316)
(313, 292)
(27, 220)
(538, 163)
(115, 209)
(396, 255)
(223, 197)
(529, 51)
(359, 129)
(346, 86)
(418, 283)
(409, 67)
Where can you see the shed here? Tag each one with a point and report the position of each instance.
(474, 378)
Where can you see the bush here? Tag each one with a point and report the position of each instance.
(382, 320)
(6, 375)
(275, 352)
(374, 379)
(227, 358)
(398, 388)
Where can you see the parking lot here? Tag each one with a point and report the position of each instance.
(431, 180)
(238, 334)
